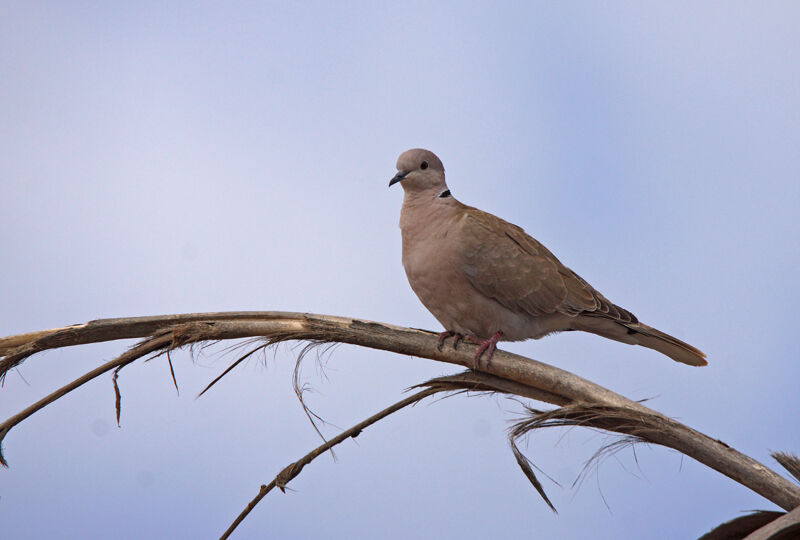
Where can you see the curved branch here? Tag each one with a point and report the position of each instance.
(786, 526)
(557, 386)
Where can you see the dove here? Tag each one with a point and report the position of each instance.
(486, 280)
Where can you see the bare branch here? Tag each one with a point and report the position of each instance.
(785, 527)
(741, 526)
(550, 383)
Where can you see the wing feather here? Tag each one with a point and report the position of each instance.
(503, 262)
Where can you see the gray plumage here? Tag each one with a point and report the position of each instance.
(485, 278)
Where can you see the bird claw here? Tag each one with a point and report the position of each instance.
(446, 334)
(487, 346)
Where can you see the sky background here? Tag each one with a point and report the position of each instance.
(167, 158)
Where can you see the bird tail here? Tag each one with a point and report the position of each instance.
(641, 334)
(678, 350)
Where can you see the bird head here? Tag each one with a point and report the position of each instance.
(419, 170)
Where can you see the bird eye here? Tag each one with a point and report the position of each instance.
(423, 165)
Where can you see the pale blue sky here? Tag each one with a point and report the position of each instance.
(232, 156)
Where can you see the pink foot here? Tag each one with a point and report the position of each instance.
(486, 346)
(446, 334)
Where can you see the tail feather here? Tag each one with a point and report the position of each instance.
(641, 334)
(678, 350)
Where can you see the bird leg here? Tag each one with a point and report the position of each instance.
(487, 346)
(446, 334)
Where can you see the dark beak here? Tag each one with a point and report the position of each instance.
(399, 176)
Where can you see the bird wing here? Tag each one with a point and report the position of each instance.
(503, 262)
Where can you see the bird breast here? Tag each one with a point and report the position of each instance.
(436, 273)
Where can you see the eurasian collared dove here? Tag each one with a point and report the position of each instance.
(487, 280)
